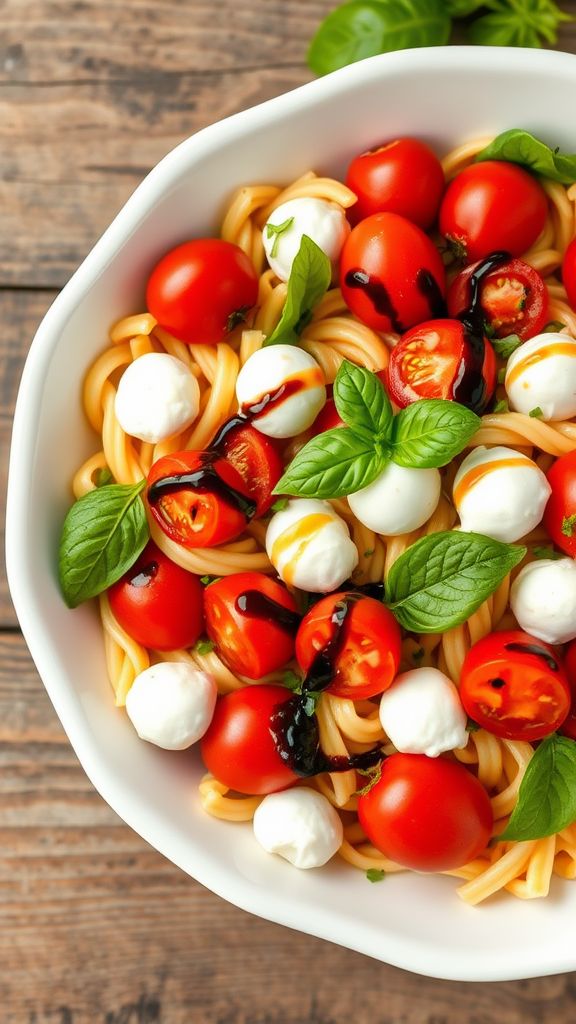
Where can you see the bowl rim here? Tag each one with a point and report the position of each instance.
(412, 954)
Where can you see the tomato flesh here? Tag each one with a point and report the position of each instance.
(252, 635)
(569, 723)
(426, 813)
(403, 176)
(327, 419)
(569, 272)
(515, 686)
(257, 460)
(560, 511)
(514, 299)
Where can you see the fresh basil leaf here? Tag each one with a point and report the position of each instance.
(553, 327)
(275, 230)
(501, 406)
(503, 29)
(364, 28)
(547, 796)
(309, 279)
(279, 505)
(375, 874)
(430, 433)
(333, 465)
(568, 525)
(462, 8)
(501, 377)
(544, 552)
(444, 577)
(362, 402)
(103, 534)
(292, 681)
(204, 646)
(519, 147)
(536, 413)
(103, 477)
(504, 347)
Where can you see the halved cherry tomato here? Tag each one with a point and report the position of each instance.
(440, 359)
(158, 603)
(492, 206)
(569, 272)
(327, 419)
(569, 723)
(560, 512)
(391, 274)
(403, 176)
(198, 501)
(253, 621)
(515, 686)
(258, 462)
(514, 299)
(238, 747)
(368, 643)
(426, 813)
(201, 290)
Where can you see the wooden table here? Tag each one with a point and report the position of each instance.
(94, 925)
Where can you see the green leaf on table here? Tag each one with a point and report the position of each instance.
(332, 465)
(520, 147)
(309, 280)
(547, 796)
(362, 402)
(431, 432)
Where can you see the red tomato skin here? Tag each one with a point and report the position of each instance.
(257, 460)
(562, 502)
(569, 723)
(327, 419)
(390, 253)
(238, 748)
(492, 206)
(196, 288)
(367, 620)
(569, 272)
(453, 349)
(426, 813)
(531, 700)
(163, 609)
(403, 176)
(215, 521)
(250, 646)
(533, 317)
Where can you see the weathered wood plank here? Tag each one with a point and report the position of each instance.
(97, 928)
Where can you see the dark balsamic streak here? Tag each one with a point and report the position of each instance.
(470, 386)
(377, 293)
(535, 649)
(202, 480)
(428, 287)
(253, 604)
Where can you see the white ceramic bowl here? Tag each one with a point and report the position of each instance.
(442, 95)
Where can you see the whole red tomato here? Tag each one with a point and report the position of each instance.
(238, 747)
(368, 643)
(514, 299)
(492, 206)
(569, 272)
(569, 723)
(391, 274)
(201, 290)
(403, 176)
(426, 813)
(252, 621)
(560, 512)
(514, 686)
(198, 502)
(158, 603)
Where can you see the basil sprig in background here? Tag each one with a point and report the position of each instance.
(427, 434)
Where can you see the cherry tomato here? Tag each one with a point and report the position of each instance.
(391, 274)
(569, 272)
(252, 620)
(492, 206)
(569, 723)
(158, 603)
(198, 503)
(327, 419)
(257, 460)
(200, 290)
(403, 176)
(514, 299)
(238, 747)
(368, 643)
(560, 512)
(426, 813)
(515, 686)
(439, 359)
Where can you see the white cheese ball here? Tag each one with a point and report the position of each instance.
(299, 825)
(500, 493)
(397, 501)
(541, 374)
(323, 221)
(171, 704)
(264, 373)
(310, 547)
(157, 397)
(543, 599)
(421, 713)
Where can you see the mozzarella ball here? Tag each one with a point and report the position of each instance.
(299, 825)
(157, 397)
(397, 501)
(171, 704)
(259, 383)
(310, 547)
(323, 221)
(543, 599)
(500, 493)
(421, 713)
(541, 374)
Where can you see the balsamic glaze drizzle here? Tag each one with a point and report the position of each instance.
(470, 387)
(253, 604)
(204, 479)
(539, 652)
(378, 294)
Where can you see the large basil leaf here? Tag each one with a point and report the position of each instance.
(519, 147)
(547, 796)
(332, 465)
(309, 279)
(431, 432)
(362, 402)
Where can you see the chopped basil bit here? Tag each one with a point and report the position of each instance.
(546, 553)
(292, 681)
(472, 726)
(204, 646)
(277, 230)
(501, 374)
(536, 413)
(504, 347)
(279, 505)
(568, 525)
(375, 874)
(502, 406)
(554, 327)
